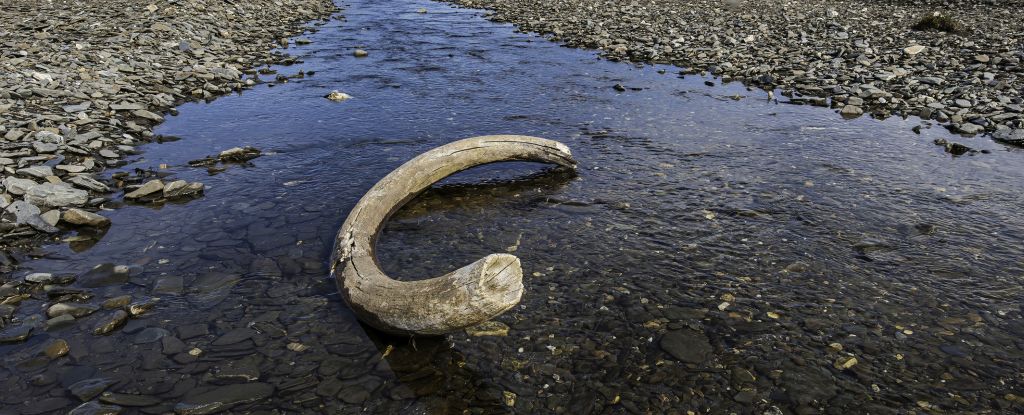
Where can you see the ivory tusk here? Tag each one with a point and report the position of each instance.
(462, 298)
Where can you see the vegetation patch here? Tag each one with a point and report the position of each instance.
(939, 22)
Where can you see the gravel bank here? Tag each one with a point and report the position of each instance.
(859, 57)
(83, 83)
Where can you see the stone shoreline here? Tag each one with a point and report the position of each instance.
(82, 85)
(856, 56)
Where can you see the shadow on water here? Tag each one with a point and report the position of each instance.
(716, 252)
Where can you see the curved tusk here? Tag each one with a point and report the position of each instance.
(462, 298)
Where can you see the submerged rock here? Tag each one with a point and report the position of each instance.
(337, 96)
(223, 398)
(688, 346)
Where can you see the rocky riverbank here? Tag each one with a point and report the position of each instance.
(856, 56)
(83, 83)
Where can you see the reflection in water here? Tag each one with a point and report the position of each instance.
(712, 255)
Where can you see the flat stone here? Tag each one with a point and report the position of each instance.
(76, 216)
(851, 111)
(150, 335)
(688, 346)
(56, 195)
(1009, 136)
(181, 189)
(39, 172)
(110, 322)
(148, 115)
(96, 408)
(223, 398)
(148, 189)
(15, 334)
(56, 348)
(51, 217)
(169, 284)
(968, 128)
(73, 309)
(129, 399)
(90, 388)
(103, 275)
(88, 183)
(913, 50)
(234, 336)
(488, 328)
(44, 148)
(17, 186)
(77, 107)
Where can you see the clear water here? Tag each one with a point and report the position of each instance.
(763, 235)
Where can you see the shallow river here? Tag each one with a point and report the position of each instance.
(716, 252)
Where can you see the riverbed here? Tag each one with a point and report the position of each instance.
(717, 251)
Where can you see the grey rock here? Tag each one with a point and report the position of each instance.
(77, 216)
(86, 182)
(39, 172)
(181, 189)
(17, 186)
(149, 189)
(56, 195)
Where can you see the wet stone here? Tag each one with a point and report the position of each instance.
(192, 330)
(688, 346)
(234, 336)
(150, 335)
(171, 345)
(45, 406)
(72, 309)
(127, 399)
(15, 334)
(103, 275)
(96, 408)
(90, 388)
(56, 348)
(223, 398)
(110, 322)
(169, 285)
(246, 370)
(116, 302)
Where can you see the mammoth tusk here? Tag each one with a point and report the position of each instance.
(462, 298)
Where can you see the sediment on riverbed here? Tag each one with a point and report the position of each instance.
(82, 84)
(857, 56)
